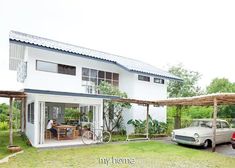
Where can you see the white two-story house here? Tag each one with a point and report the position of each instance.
(57, 75)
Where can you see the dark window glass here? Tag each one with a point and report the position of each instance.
(29, 112)
(143, 78)
(85, 72)
(115, 76)
(218, 125)
(108, 75)
(94, 81)
(32, 113)
(109, 81)
(101, 74)
(224, 125)
(158, 80)
(84, 78)
(100, 80)
(93, 73)
(115, 83)
(54, 67)
(66, 69)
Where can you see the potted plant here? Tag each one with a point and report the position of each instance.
(14, 148)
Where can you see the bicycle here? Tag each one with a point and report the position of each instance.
(96, 136)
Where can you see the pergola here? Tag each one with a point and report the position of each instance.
(17, 96)
(203, 100)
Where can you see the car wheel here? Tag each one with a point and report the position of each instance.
(206, 144)
(233, 146)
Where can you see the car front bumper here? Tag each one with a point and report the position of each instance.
(197, 142)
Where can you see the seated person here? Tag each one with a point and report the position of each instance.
(50, 125)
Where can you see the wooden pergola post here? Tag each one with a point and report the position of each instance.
(147, 122)
(10, 122)
(24, 104)
(22, 117)
(214, 125)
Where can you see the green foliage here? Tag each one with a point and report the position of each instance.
(4, 125)
(4, 114)
(188, 87)
(71, 113)
(155, 127)
(118, 137)
(113, 118)
(191, 112)
(199, 112)
(223, 85)
(139, 125)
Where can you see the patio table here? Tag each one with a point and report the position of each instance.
(64, 127)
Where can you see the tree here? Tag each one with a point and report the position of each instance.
(219, 85)
(112, 110)
(186, 88)
(4, 114)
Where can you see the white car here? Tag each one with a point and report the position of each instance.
(200, 133)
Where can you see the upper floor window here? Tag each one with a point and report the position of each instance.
(144, 78)
(91, 78)
(56, 68)
(158, 80)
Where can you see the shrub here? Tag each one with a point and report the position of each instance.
(155, 127)
(4, 126)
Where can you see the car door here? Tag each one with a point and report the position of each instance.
(226, 131)
(219, 133)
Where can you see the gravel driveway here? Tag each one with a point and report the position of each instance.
(224, 149)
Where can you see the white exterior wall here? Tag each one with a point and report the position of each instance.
(128, 81)
(32, 130)
(61, 82)
(149, 91)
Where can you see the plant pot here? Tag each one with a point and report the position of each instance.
(14, 148)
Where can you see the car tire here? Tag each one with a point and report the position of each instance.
(206, 144)
(233, 146)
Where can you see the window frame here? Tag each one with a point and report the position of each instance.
(93, 80)
(161, 81)
(31, 112)
(141, 78)
(57, 67)
(223, 122)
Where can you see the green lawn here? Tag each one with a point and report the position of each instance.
(4, 141)
(144, 154)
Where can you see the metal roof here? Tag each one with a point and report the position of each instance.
(126, 63)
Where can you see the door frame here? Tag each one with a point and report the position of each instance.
(41, 112)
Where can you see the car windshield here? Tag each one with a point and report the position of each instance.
(198, 123)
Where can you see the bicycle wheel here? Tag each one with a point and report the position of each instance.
(89, 137)
(106, 137)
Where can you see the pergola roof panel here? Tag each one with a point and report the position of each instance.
(203, 100)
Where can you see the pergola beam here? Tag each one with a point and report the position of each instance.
(203, 100)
